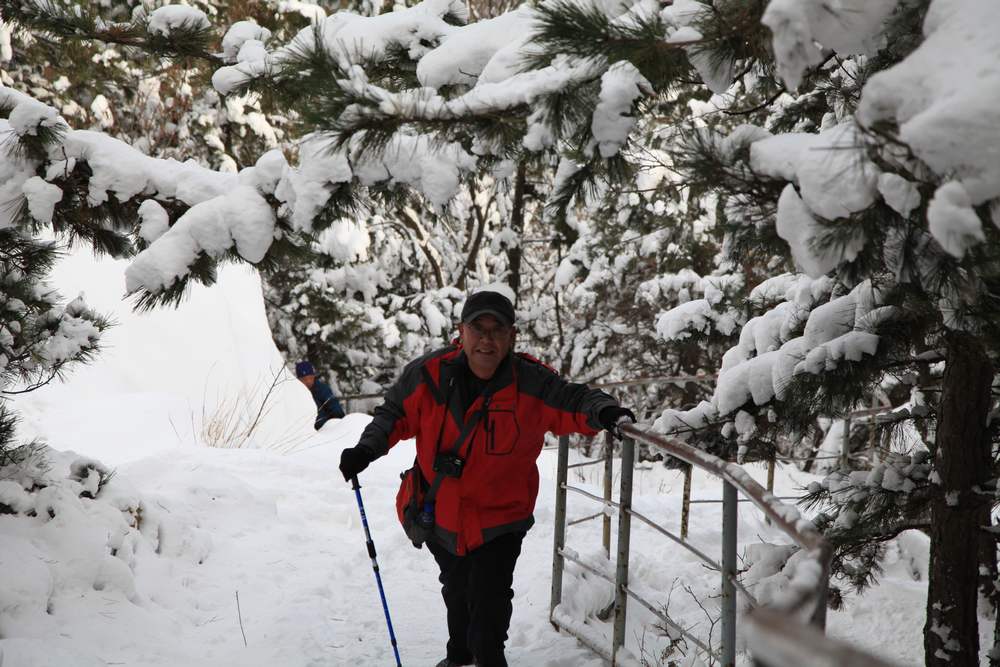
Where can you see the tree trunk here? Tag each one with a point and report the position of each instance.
(951, 632)
(989, 575)
(995, 651)
(517, 224)
(479, 218)
(411, 221)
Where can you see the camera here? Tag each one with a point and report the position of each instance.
(449, 465)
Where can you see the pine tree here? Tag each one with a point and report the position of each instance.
(902, 283)
(40, 337)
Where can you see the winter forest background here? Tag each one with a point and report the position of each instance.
(797, 199)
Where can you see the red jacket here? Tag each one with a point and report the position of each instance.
(498, 486)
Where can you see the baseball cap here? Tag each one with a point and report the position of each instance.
(304, 368)
(488, 303)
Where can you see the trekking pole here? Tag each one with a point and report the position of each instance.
(378, 577)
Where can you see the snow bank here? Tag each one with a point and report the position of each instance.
(164, 375)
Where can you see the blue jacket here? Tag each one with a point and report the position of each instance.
(327, 405)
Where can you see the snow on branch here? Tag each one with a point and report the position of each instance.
(801, 28)
(942, 98)
(170, 31)
(240, 218)
(761, 366)
(347, 37)
(468, 54)
(243, 218)
(694, 315)
(613, 121)
(220, 212)
(475, 78)
(170, 18)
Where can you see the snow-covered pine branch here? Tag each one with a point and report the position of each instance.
(220, 214)
(173, 31)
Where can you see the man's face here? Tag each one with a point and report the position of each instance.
(487, 341)
(308, 380)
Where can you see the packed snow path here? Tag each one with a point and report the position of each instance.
(286, 534)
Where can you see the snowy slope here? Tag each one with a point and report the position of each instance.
(164, 373)
(149, 572)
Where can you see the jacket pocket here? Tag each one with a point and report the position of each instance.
(502, 431)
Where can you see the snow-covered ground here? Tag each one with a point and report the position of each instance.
(198, 555)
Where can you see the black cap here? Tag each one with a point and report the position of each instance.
(488, 303)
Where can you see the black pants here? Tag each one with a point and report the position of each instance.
(477, 592)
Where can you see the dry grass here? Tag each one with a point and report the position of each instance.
(234, 422)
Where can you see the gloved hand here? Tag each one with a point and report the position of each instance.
(613, 416)
(353, 460)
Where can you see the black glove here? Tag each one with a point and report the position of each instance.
(353, 460)
(613, 416)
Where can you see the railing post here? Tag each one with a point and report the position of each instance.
(729, 516)
(559, 531)
(624, 533)
(686, 500)
(609, 451)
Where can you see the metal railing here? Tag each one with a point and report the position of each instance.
(785, 636)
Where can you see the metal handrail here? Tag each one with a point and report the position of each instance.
(784, 516)
(653, 380)
(586, 518)
(583, 464)
(635, 596)
(716, 501)
(588, 494)
(780, 637)
(655, 526)
(804, 534)
(712, 564)
(779, 642)
(672, 623)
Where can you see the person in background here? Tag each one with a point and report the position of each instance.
(479, 412)
(327, 405)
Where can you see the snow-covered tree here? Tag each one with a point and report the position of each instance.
(40, 336)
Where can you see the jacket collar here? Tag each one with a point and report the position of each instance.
(460, 364)
(454, 367)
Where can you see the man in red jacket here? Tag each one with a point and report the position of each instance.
(479, 413)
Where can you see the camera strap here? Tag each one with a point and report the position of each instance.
(467, 429)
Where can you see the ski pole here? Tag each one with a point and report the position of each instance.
(378, 577)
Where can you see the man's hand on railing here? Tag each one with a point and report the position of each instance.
(613, 417)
